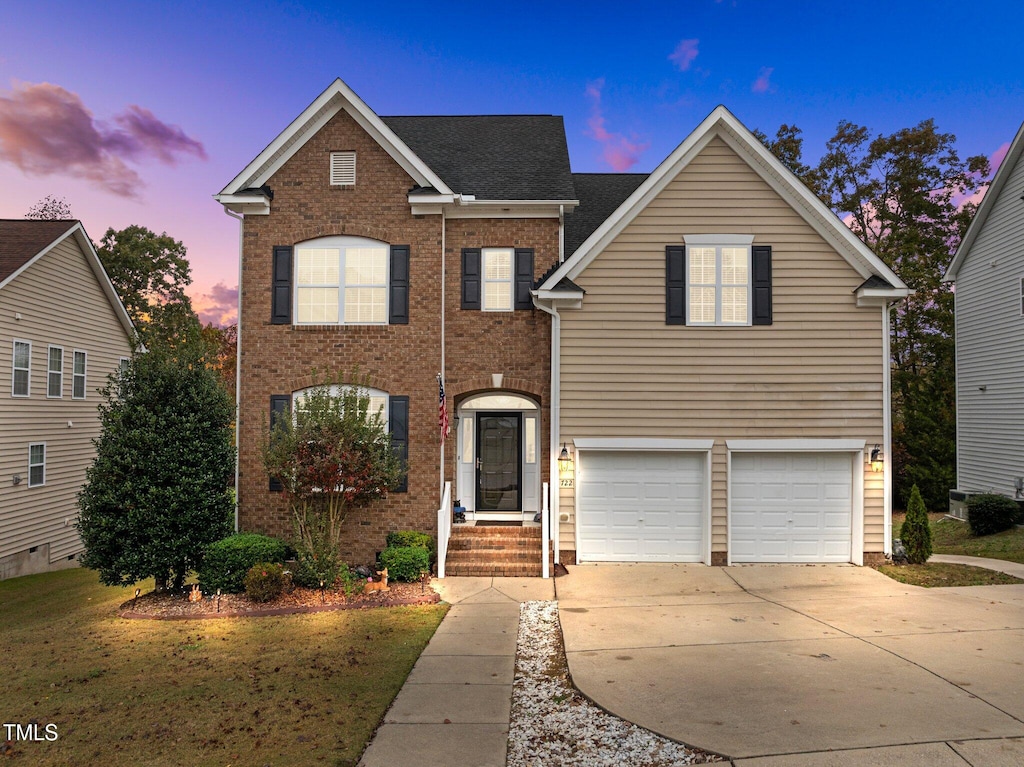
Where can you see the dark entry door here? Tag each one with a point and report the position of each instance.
(498, 480)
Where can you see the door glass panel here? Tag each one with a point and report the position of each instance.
(498, 462)
(467, 439)
(530, 438)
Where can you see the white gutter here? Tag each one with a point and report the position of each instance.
(561, 233)
(887, 432)
(238, 355)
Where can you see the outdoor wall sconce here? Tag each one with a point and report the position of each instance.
(564, 461)
(877, 460)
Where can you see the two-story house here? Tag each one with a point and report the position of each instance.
(697, 358)
(63, 331)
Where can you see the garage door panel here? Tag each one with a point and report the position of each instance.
(790, 507)
(636, 506)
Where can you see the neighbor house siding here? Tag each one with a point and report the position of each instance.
(989, 331)
(60, 303)
(815, 373)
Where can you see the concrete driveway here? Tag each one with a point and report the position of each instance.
(787, 660)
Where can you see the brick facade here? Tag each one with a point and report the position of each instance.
(398, 359)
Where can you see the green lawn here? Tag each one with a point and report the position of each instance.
(951, 536)
(932, 574)
(295, 690)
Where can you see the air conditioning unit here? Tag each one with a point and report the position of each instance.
(958, 503)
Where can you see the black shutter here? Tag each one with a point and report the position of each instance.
(761, 284)
(471, 278)
(398, 305)
(399, 415)
(524, 278)
(675, 285)
(281, 286)
(280, 406)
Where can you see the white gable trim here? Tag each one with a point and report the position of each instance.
(337, 97)
(722, 123)
(987, 203)
(93, 259)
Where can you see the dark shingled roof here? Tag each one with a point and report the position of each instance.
(599, 195)
(874, 281)
(495, 157)
(21, 240)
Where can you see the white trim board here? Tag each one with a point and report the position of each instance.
(641, 443)
(796, 445)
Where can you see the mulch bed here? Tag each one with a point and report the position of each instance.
(169, 606)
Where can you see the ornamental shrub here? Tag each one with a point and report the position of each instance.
(915, 533)
(265, 581)
(405, 563)
(413, 539)
(990, 513)
(227, 561)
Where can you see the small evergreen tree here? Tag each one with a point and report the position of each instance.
(915, 533)
(158, 492)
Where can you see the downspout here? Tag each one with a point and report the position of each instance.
(887, 432)
(444, 279)
(561, 234)
(556, 367)
(238, 354)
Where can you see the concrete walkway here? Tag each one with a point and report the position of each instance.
(802, 665)
(453, 710)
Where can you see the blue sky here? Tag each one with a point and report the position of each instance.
(151, 108)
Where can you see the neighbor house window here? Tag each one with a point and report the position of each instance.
(341, 280)
(343, 168)
(497, 279)
(1022, 296)
(37, 464)
(21, 369)
(78, 376)
(55, 372)
(122, 365)
(718, 282)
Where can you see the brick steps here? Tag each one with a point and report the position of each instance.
(494, 551)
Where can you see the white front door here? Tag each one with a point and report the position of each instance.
(637, 506)
(791, 507)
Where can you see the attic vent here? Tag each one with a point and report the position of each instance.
(343, 168)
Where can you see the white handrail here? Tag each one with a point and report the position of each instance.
(444, 527)
(545, 523)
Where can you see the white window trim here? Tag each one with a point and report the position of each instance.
(14, 346)
(49, 372)
(122, 364)
(345, 182)
(84, 374)
(511, 279)
(719, 241)
(31, 465)
(341, 243)
(1022, 296)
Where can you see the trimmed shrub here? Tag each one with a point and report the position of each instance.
(412, 539)
(351, 582)
(990, 513)
(405, 563)
(265, 581)
(915, 533)
(227, 561)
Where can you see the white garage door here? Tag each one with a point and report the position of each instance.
(791, 507)
(635, 506)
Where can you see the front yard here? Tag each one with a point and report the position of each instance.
(301, 689)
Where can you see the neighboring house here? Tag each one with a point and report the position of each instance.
(63, 330)
(708, 345)
(988, 271)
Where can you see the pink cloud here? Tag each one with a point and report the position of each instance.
(763, 82)
(684, 54)
(995, 160)
(618, 151)
(46, 130)
(219, 306)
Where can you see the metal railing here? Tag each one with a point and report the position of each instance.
(444, 527)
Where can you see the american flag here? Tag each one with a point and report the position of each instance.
(442, 410)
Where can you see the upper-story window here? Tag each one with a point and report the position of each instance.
(1022, 296)
(55, 372)
(719, 284)
(341, 280)
(21, 369)
(343, 168)
(497, 279)
(78, 375)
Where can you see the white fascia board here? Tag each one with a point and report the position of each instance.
(880, 296)
(642, 443)
(472, 200)
(796, 445)
(987, 203)
(245, 204)
(721, 122)
(337, 96)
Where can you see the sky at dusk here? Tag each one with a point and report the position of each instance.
(137, 113)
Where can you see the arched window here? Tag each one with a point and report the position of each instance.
(341, 280)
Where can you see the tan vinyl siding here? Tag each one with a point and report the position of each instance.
(989, 330)
(816, 373)
(61, 303)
